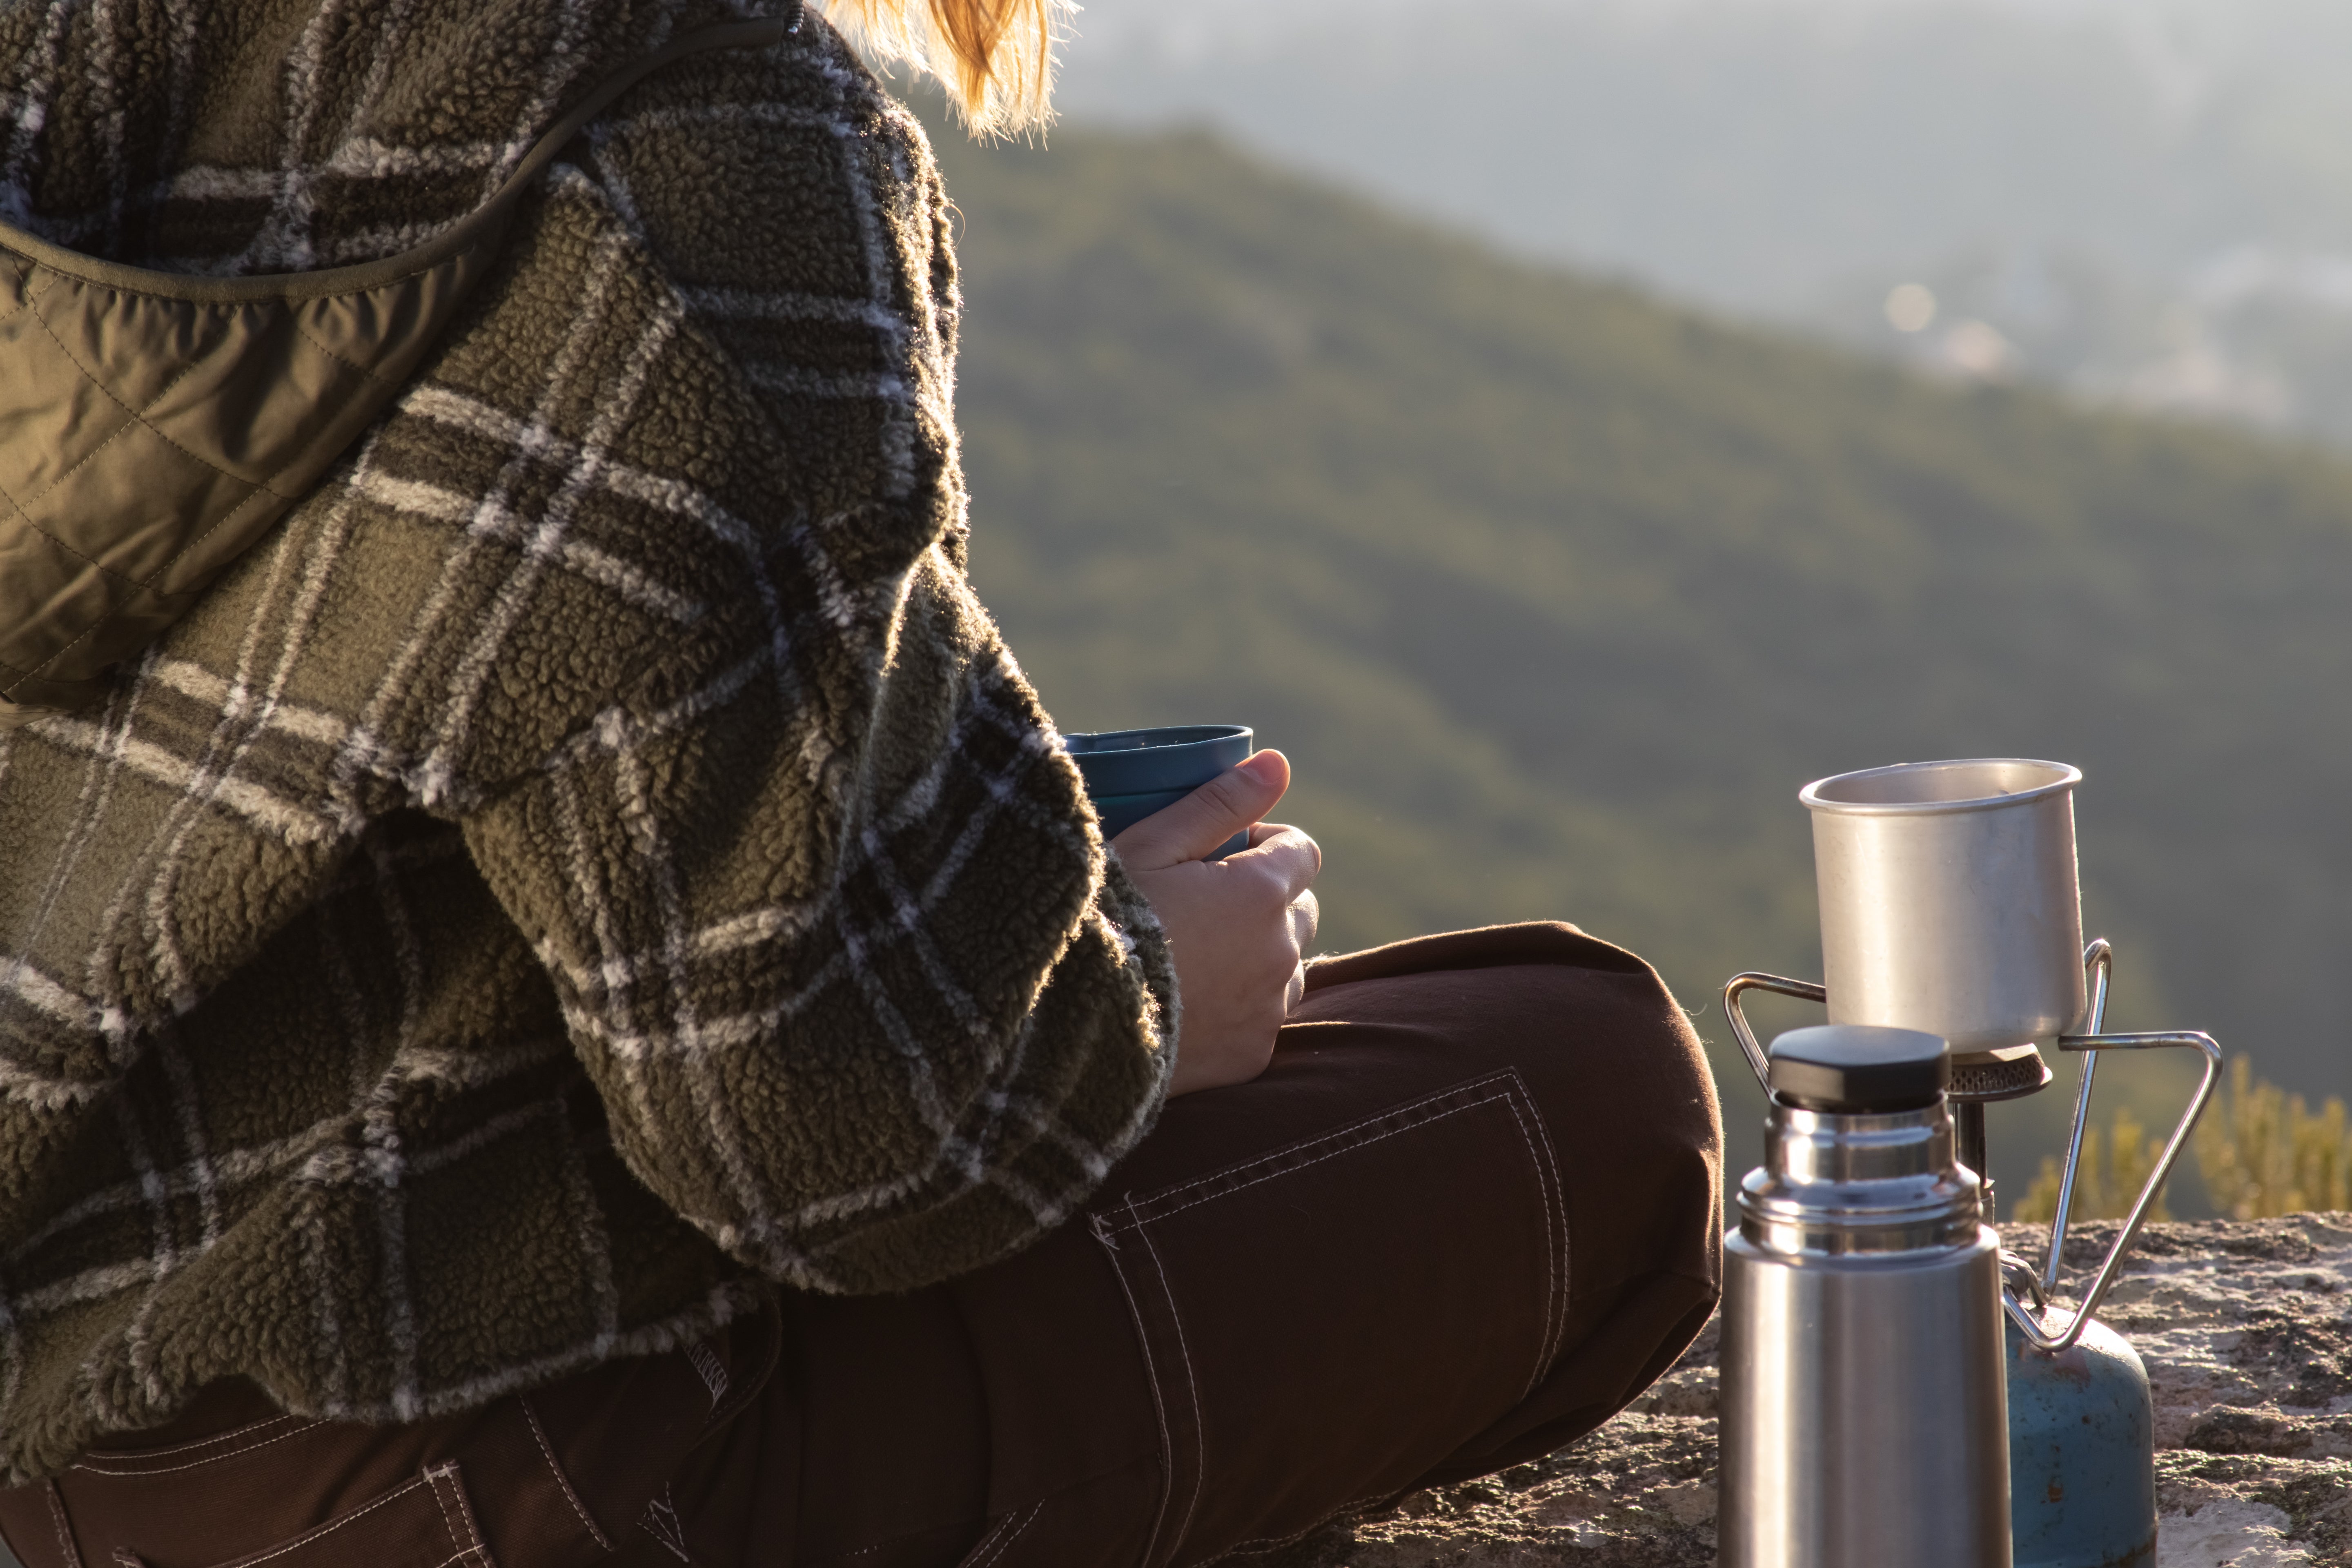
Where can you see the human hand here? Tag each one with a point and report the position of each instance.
(1238, 928)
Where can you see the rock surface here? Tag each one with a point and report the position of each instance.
(2246, 1328)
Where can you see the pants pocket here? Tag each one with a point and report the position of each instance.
(1322, 1323)
(427, 1522)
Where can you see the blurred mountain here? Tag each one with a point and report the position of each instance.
(2160, 190)
(1556, 595)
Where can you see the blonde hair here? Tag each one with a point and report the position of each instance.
(995, 57)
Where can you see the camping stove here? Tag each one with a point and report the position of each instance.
(1950, 906)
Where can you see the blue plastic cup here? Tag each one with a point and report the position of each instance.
(1130, 773)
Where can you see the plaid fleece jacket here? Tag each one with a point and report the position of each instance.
(595, 858)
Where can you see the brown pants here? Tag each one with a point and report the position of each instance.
(1471, 1210)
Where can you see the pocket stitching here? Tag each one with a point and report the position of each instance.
(1144, 1219)
(1511, 1089)
(1102, 1230)
(1026, 1520)
(330, 1526)
(69, 1555)
(1192, 1383)
(204, 1442)
(994, 1532)
(539, 1434)
(1555, 1315)
(664, 1508)
(1507, 1075)
(469, 1544)
(134, 1470)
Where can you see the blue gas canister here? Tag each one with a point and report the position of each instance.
(2081, 1452)
(2082, 1422)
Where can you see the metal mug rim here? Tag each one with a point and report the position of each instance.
(2069, 775)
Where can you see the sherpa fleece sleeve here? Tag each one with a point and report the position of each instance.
(869, 1015)
(864, 995)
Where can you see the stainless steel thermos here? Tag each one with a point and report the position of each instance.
(1864, 1412)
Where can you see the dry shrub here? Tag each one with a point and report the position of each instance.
(2114, 1167)
(2262, 1151)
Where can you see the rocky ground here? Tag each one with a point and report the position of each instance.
(2247, 1332)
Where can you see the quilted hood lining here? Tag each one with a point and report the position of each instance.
(133, 499)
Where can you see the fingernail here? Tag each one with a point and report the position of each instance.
(1259, 765)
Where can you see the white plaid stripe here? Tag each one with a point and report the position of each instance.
(234, 1169)
(362, 156)
(507, 527)
(718, 1113)
(842, 607)
(203, 1175)
(319, 1265)
(215, 775)
(561, 60)
(283, 240)
(23, 980)
(194, 680)
(105, 72)
(295, 822)
(160, 1262)
(89, 809)
(546, 539)
(382, 1163)
(791, 305)
(25, 109)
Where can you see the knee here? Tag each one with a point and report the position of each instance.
(1610, 1049)
(1620, 1081)
(1627, 1094)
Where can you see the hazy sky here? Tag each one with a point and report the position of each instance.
(1755, 153)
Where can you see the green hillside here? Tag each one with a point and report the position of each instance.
(1555, 595)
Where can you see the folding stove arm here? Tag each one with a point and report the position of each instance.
(2099, 966)
(1779, 985)
(2098, 960)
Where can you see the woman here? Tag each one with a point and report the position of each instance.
(560, 1000)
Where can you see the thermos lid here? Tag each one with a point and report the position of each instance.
(1858, 1068)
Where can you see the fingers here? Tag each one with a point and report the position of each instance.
(1195, 825)
(1294, 859)
(1304, 913)
(1239, 928)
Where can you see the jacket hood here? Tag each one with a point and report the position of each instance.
(228, 234)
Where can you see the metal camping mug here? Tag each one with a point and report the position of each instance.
(1950, 900)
